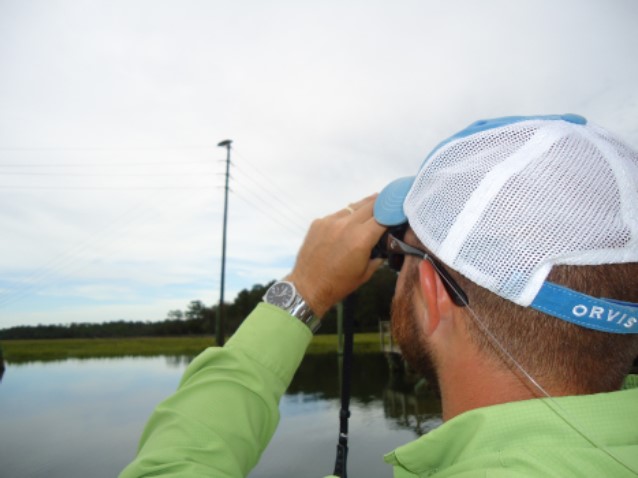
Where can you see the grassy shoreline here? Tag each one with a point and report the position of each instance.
(21, 351)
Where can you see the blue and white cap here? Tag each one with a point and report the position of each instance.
(505, 200)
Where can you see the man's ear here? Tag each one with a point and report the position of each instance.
(439, 304)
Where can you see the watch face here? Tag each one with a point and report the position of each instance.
(281, 294)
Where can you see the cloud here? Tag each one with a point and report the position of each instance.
(326, 103)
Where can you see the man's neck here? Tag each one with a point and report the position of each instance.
(468, 382)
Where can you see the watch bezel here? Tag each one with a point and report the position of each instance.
(275, 299)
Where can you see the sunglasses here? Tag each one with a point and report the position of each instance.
(394, 250)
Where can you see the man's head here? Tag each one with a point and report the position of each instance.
(538, 216)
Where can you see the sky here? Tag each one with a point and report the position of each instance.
(111, 180)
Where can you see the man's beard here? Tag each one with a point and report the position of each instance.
(407, 332)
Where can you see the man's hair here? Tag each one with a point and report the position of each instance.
(555, 352)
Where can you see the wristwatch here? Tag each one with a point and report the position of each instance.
(284, 295)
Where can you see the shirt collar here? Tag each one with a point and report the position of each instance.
(491, 429)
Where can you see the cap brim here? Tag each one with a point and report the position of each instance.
(388, 208)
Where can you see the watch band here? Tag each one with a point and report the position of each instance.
(302, 311)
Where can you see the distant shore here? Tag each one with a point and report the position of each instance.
(22, 351)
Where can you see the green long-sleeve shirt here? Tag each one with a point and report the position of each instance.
(225, 411)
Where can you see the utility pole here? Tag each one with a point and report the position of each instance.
(219, 325)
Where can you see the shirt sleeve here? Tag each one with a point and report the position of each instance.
(225, 410)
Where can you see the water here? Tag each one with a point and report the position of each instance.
(82, 418)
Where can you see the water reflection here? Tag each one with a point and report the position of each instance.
(172, 361)
(388, 410)
(1, 363)
(418, 412)
(178, 361)
(103, 404)
(407, 400)
(78, 418)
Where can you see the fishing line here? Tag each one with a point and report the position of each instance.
(555, 406)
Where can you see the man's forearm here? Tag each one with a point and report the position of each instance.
(225, 410)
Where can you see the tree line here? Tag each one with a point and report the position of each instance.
(373, 304)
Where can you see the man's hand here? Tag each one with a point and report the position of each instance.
(334, 259)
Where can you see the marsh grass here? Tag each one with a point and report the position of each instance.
(17, 351)
(21, 351)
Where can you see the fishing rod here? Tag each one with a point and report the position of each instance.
(349, 307)
(341, 461)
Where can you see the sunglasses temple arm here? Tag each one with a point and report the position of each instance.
(458, 295)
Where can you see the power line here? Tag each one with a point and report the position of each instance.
(275, 196)
(105, 188)
(295, 229)
(100, 164)
(283, 213)
(109, 175)
(100, 238)
(286, 215)
(65, 264)
(108, 148)
(265, 208)
(102, 235)
(277, 189)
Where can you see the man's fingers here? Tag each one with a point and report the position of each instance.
(346, 211)
(334, 258)
(363, 209)
(367, 227)
(364, 202)
(373, 230)
(373, 265)
(359, 208)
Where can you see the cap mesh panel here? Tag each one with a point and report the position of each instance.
(562, 207)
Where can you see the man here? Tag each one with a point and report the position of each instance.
(517, 245)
